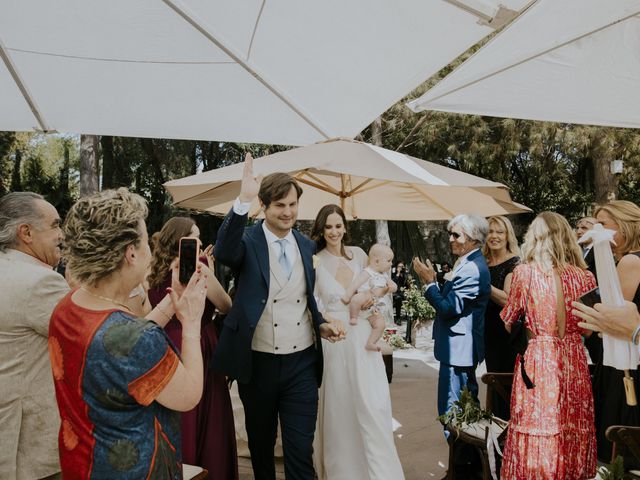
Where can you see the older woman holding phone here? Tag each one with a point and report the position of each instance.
(208, 431)
(118, 378)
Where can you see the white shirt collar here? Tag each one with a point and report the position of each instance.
(272, 237)
(464, 257)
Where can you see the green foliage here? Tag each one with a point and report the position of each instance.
(415, 305)
(6, 143)
(464, 411)
(34, 176)
(612, 471)
(45, 164)
(394, 340)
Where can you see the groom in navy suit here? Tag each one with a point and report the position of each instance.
(270, 340)
(458, 328)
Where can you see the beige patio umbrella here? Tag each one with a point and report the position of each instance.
(282, 72)
(369, 182)
(573, 61)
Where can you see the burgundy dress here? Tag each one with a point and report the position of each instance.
(208, 431)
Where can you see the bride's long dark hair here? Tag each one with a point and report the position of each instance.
(317, 232)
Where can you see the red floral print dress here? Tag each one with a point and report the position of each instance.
(551, 433)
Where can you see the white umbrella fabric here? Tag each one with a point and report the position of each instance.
(573, 61)
(281, 72)
(369, 182)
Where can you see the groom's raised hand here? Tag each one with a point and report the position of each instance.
(250, 185)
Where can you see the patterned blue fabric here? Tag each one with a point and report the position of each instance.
(130, 439)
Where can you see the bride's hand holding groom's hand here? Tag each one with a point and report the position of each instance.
(332, 330)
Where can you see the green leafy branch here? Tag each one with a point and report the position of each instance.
(612, 471)
(464, 411)
(416, 306)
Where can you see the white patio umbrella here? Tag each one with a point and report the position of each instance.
(369, 182)
(286, 72)
(572, 61)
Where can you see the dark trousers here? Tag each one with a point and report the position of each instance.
(397, 306)
(283, 386)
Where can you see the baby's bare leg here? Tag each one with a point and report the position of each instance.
(355, 305)
(377, 329)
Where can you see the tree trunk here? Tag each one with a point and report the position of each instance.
(16, 176)
(64, 172)
(382, 227)
(604, 182)
(89, 181)
(108, 162)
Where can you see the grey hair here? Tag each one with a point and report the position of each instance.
(474, 226)
(17, 208)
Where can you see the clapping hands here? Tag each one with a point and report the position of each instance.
(425, 271)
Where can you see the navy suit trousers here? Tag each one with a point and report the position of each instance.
(283, 386)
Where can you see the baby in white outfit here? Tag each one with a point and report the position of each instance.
(372, 281)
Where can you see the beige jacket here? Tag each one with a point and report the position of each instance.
(29, 420)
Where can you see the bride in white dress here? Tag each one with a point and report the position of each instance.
(354, 435)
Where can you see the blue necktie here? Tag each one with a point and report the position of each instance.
(284, 260)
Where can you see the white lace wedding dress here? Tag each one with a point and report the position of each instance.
(354, 435)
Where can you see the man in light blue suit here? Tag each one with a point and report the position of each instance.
(458, 329)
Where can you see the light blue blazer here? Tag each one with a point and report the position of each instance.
(458, 328)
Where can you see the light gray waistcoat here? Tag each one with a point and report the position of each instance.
(285, 325)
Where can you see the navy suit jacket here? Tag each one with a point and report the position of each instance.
(245, 250)
(458, 329)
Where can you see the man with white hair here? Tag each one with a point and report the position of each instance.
(30, 239)
(458, 328)
(583, 226)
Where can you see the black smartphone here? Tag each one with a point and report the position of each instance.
(188, 258)
(591, 297)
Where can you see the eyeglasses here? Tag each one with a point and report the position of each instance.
(455, 235)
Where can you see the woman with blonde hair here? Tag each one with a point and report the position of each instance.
(501, 251)
(611, 407)
(208, 431)
(118, 378)
(551, 433)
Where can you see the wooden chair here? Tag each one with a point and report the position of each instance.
(626, 443)
(499, 383)
(190, 472)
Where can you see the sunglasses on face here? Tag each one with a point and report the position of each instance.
(455, 235)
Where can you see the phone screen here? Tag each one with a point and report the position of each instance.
(188, 258)
(591, 297)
